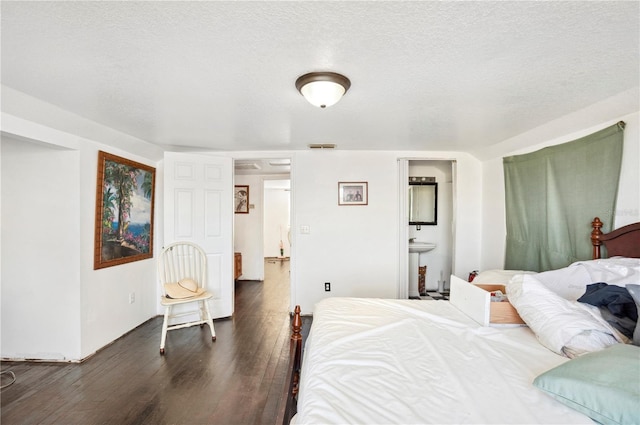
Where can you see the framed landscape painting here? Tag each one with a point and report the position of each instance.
(124, 211)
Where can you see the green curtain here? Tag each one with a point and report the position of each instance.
(553, 194)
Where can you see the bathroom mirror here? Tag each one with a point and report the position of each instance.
(423, 203)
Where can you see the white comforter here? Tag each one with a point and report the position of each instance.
(547, 303)
(372, 361)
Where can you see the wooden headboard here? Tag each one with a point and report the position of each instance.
(624, 242)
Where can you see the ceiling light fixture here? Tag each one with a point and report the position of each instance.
(323, 89)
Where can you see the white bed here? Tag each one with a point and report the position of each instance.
(377, 361)
(416, 362)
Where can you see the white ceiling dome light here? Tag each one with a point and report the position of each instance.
(323, 89)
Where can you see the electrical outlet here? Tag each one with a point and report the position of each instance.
(132, 297)
(327, 286)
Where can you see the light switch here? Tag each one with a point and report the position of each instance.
(305, 230)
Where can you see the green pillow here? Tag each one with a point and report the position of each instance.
(604, 385)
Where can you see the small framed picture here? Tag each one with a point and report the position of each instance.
(241, 199)
(353, 193)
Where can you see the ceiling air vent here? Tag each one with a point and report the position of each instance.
(246, 166)
(322, 146)
(280, 162)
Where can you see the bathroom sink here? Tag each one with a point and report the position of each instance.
(418, 246)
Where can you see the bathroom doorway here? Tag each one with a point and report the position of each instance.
(428, 272)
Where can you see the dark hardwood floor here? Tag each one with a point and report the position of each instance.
(236, 380)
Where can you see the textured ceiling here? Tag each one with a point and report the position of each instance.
(220, 75)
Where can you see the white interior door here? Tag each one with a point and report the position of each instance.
(198, 207)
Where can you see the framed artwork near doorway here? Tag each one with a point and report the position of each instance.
(353, 193)
(124, 211)
(241, 199)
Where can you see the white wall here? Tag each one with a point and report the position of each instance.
(493, 206)
(355, 248)
(256, 235)
(1, 205)
(248, 229)
(105, 292)
(41, 239)
(57, 257)
(277, 205)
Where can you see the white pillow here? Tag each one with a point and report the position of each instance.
(571, 282)
(619, 271)
(565, 327)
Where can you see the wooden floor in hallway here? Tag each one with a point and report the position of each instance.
(236, 380)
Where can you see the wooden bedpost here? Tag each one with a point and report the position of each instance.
(596, 233)
(289, 398)
(296, 341)
(297, 324)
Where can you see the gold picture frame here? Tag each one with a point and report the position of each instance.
(124, 211)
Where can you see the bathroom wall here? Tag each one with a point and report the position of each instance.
(438, 260)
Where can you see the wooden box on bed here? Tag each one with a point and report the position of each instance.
(475, 302)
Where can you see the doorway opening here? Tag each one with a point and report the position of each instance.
(425, 273)
(262, 234)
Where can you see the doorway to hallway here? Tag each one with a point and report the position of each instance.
(262, 233)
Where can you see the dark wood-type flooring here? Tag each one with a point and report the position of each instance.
(236, 380)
